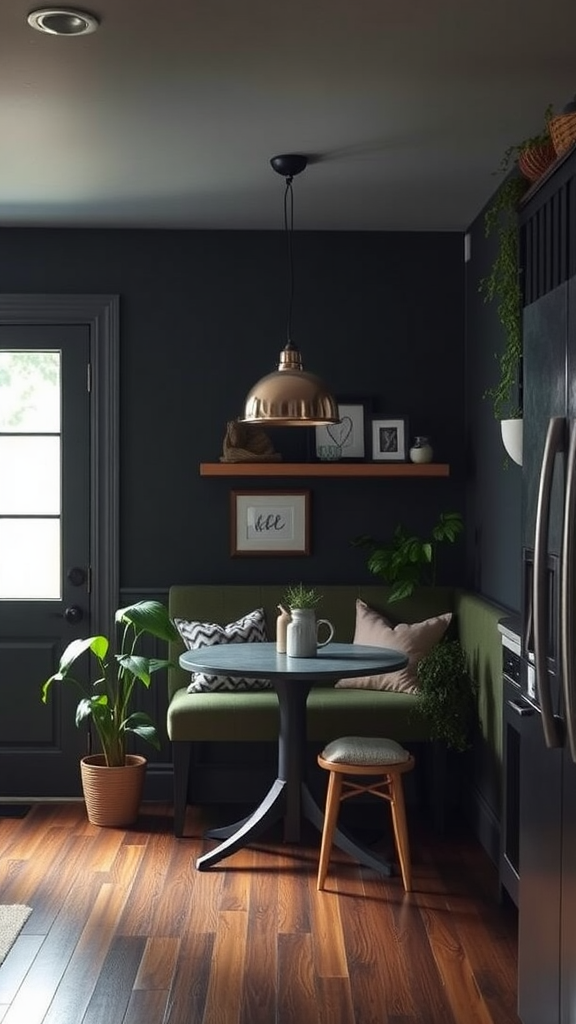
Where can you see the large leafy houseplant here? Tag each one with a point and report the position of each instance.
(446, 695)
(108, 701)
(408, 561)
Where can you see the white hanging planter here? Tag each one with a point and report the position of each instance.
(512, 432)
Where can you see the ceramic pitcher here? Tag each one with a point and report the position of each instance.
(302, 633)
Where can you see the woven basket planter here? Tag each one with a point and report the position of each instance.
(112, 795)
(563, 132)
(535, 160)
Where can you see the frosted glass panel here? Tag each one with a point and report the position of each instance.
(30, 562)
(30, 392)
(29, 475)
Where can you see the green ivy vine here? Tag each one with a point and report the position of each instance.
(502, 285)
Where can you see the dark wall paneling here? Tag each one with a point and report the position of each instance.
(493, 490)
(202, 317)
(571, 226)
(548, 232)
(493, 501)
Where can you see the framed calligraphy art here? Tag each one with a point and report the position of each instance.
(270, 522)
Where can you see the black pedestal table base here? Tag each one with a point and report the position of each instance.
(289, 797)
(236, 836)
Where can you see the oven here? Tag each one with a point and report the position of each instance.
(515, 710)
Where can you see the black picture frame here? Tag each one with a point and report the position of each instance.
(390, 439)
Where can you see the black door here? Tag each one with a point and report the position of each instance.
(44, 550)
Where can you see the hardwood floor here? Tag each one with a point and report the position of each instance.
(124, 930)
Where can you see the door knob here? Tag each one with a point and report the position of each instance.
(73, 614)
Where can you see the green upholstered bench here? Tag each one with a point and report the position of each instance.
(253, 716)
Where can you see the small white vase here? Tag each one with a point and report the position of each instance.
(421, 451)
(302, 633)
(512, 436)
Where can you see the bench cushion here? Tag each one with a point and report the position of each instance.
(331, 712)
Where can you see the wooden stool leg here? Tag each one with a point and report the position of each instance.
(400, 829)
(330, 818)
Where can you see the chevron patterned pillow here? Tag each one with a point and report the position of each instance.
(251, 628)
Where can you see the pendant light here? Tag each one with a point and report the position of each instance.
(290, 397)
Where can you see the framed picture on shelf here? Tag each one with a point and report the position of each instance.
(347, 438)
(270, 522)
(389, 439)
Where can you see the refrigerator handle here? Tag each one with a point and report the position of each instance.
(540, 601)
(567, 594)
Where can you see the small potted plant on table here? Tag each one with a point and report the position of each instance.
(112, 781)
(302, 630)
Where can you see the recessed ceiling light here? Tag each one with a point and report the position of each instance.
(63, 21)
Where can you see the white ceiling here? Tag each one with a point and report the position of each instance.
(169, 114)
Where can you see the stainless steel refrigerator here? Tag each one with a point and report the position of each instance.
(547, 817)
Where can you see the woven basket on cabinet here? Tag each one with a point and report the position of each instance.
(535, 160)
(563, 131)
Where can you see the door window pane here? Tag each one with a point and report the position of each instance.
(30, 471)
(29, 475)
(30, 563)
(29, 392)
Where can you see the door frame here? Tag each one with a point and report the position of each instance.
(100, 314)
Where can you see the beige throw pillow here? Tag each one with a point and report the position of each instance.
(414, 639)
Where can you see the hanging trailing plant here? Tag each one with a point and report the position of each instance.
(502, 283)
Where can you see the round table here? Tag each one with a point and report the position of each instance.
(289, 798)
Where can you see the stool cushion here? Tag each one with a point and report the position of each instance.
(369, 750)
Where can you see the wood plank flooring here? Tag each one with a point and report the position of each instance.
(124, 930)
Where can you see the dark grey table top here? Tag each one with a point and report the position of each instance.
(262, 661)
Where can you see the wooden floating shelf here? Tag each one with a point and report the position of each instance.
(319, 469)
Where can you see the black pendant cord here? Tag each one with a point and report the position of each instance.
(289, 227)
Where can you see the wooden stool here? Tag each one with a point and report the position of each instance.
(363, 755)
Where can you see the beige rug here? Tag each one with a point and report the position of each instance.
(12, 920)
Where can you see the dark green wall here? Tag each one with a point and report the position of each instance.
(494, 488)
(203, 315)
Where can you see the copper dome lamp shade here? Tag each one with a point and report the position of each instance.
(290, 397)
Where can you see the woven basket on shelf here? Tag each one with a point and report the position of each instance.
(535, 160)
(563, 131)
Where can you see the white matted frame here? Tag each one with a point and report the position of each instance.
(389, 439)
(270, 522)
(349, 434)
